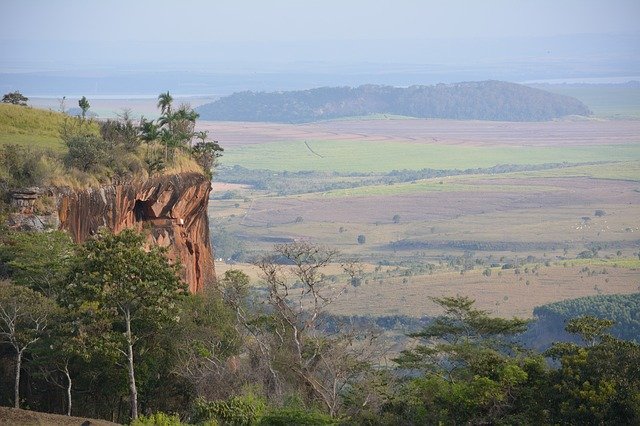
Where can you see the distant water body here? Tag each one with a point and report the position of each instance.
(585, 80)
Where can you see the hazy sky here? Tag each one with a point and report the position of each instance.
(279, 20)
(501, 38)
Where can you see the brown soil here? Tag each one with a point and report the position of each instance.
(471, 133)
(14, 416)
(571, 192)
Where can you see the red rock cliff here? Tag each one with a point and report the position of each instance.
(171, 209)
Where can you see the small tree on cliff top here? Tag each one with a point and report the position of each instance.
(136, 291)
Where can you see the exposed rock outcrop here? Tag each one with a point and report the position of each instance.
(171, 210)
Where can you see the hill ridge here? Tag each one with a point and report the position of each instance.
(490, 100)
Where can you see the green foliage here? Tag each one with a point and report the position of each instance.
(37, 260)
(118, 274)
(83, 103)
(206, 153)
(158, 419)
(15, 98)
(296, 416)
(598, 384)
(23, 166)
(486, 100)
(472, 373)
(239, 410)
(87, 153)
(623, 309)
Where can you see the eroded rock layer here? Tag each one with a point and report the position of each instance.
(171, 210)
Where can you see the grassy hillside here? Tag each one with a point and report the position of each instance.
(31, 127)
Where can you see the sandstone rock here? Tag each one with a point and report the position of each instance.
(170, 210)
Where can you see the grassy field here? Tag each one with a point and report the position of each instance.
(30, 126)
(609, 101)
(33, 127)
(448, 231)
(361, 157)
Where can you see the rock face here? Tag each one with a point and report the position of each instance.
(170, 210)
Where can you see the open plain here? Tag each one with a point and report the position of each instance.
(576, 200)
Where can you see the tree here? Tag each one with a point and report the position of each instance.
(15, 98)
(598, 383)
(471, 372)
(136, 290)
(362, 239)
(86, 153)
(322, 366)
(24, 318)
(38, 260)
(83, 103)
(396, 218)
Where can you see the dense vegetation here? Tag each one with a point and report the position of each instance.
(106, 330)
(623, 309)
(45, 148)
(487, 100)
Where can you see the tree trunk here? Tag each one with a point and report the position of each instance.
(133, 392)
(16, 389)
(66, 373)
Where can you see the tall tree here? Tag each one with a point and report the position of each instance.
(471, 372)
(83, 103)
(135, 289)
(24, 318)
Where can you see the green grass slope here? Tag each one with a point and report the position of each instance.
(31, 127)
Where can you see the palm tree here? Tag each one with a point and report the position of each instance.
(149, 131)
(164, 103)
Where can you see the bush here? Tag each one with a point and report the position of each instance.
(239, 410)
(362, 239)
(296, 416)
(21, 167)
(86, 153)
(158, 419)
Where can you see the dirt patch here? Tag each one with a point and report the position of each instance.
(505, 295)
(469, 133)
(428, 206)
(14, 416)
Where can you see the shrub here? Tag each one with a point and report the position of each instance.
(239, 410)
(158, 419)
(86, 153)
(296, 416)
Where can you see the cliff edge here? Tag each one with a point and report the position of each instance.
(171, 210)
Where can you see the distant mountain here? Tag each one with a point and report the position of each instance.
(485, 100)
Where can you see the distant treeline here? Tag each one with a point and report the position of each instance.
(624, 309)
(473, 245)
(485, 100)
(289, 183)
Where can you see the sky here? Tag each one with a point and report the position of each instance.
(448, 39)
(305, 20)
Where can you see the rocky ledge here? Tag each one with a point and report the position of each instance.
(171, 210)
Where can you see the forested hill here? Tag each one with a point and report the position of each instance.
(485, 100)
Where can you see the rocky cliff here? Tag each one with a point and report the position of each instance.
(171, 210)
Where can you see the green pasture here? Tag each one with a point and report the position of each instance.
(624, 170)
(366, 156)
(448, 184)
(608, 101)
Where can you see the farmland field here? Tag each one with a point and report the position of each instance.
(575, 209)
